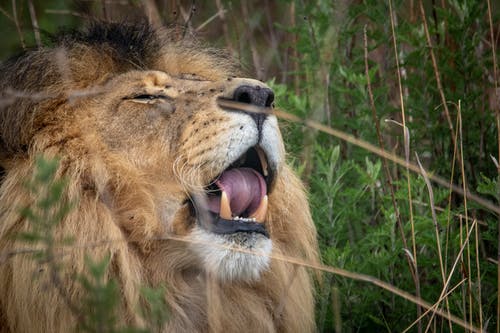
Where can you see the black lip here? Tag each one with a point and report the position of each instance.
(224, 227)
(214, 223)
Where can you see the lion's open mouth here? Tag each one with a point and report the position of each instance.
(236, 201)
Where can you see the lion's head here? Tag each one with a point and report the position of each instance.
(189, 193)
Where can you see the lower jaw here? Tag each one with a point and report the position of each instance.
(240, 256)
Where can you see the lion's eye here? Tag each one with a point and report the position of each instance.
(147, 98)
(192, 77)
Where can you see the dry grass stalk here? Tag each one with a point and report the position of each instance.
(364, 145)
(497, 117)
(17, 24)
(34, 23)
(65, 12)
(225, 29)
(406, 136)
(436, 69)
(299, 262)
(412, 262)
(220, 13)
(152, 12)
(435, 305)
(406, 139)
(458, 260)
(6, 14)
(436, 229)
(478, 268)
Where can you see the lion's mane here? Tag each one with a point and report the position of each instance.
(45, 98)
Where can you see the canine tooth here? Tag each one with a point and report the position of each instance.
(225, 208)
(263, 161)
(260, 214)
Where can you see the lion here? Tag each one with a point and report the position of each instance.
(180, 191)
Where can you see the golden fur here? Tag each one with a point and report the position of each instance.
(130, 173)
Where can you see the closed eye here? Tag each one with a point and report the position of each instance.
(192, 77)
(147, 98)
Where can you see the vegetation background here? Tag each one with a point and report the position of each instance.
(409, 93)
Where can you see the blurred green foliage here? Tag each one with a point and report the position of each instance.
(98, 309)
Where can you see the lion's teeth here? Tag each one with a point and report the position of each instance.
(244, 219)
(260, 214)
(263, 161)
(225, 208)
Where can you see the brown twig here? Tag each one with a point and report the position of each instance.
(385, 154)
(34, 23)
(437, 74)
(362, 144)
(65, 12)
(209, 20)
(152, 12)
(435, 305)
(315, 266)
(7, 15)
(18, 26)
(251, 41)
(441, 209)
(222, 15)
(454, 267)
(188, 18)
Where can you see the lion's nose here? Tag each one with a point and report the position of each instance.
(256, 95)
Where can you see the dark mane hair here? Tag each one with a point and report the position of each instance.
(79, 59)
(136, 43)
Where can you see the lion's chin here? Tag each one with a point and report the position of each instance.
(241, 256)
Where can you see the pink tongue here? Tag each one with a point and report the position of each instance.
(245, 189)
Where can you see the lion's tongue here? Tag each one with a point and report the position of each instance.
(245, 189)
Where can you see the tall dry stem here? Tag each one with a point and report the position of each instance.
(412, 262)
(364, 145)
(406, 137)
(464, 184)
(18, 24)
(497, 117)
(34, 23)
(436, 230)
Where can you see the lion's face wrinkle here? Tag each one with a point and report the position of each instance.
(135, 140)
